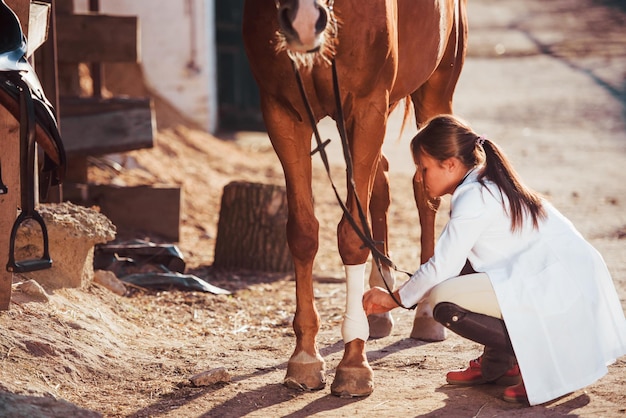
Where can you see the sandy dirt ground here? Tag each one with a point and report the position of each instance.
(544, 79)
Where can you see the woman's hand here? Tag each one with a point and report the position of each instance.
(378, 300)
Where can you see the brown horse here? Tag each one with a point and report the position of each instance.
(384, 51)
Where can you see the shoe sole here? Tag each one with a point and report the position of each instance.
(466, 382)
(502, 381)
(515, 399)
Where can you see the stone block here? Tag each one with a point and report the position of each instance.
(73, 231)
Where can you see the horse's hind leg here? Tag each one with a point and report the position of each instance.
(434, 98)
(424, 325)
(427, 104)
(381, 325)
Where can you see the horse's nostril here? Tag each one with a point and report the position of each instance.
(286, 15)
(322, 21)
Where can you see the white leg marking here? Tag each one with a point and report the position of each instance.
(355, 323)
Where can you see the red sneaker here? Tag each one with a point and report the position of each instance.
(516, 394)
(473, 375)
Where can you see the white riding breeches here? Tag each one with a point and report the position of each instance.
(471, 291)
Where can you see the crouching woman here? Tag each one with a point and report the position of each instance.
(542, 301)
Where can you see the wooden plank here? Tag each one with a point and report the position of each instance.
(93, 126)
(22, 9)
(46, 59)
(84, 106)
(37, 26)
(97, 38)
(9, 170)
(64, 6)
(145, 209)
(34, 19)
(46, 68)
(77, 171)
(141, 208)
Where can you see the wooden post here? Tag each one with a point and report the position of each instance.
(10, 143)
(251, 232)
(10, 166)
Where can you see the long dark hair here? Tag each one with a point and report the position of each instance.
(446, 136)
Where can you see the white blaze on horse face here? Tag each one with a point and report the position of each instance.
(305, 24)
(355, 323)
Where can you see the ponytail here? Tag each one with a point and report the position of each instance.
(522, 200)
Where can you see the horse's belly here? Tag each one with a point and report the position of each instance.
(423, 31)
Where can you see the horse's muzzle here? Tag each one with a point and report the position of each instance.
(287, 13)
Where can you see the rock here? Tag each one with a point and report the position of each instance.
(16, 405)
(73, 231)
(34, 290)
(211, 377)
(109, 280)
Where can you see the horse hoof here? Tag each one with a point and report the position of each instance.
(427, 329)
(353, 382)
(306, 375)
(291, 383)
(380, 325)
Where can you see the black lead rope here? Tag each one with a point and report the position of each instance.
(364, 234)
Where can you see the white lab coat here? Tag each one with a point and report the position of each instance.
(556, 295)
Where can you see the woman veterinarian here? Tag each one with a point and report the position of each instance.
(542, 301)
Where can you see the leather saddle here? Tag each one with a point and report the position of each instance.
(15, 71)
(22, 95)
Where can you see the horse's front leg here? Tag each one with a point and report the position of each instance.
(291, 141)
(306, 367)
(354, 376)
(381, 275)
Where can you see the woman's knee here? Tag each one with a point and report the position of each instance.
(472, 292)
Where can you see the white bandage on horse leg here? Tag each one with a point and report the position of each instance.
(355, 323)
